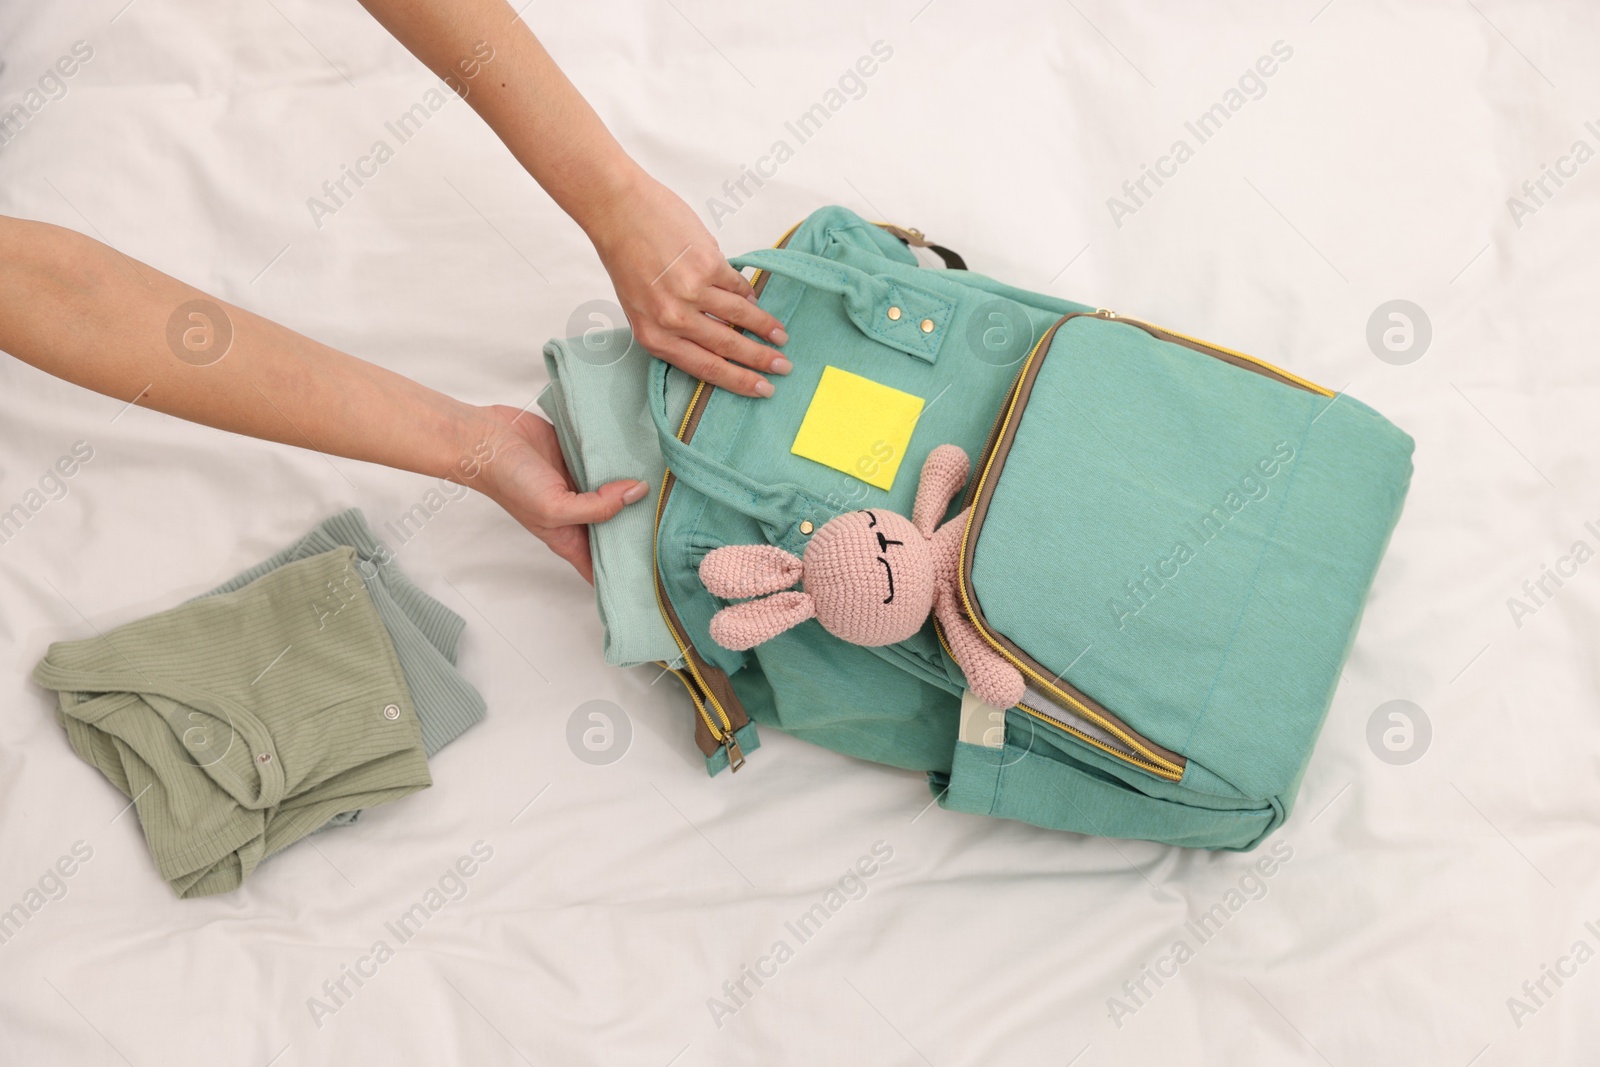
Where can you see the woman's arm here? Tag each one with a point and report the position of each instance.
(668, 271)
(84, 312)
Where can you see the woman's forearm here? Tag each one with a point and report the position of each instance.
(524, 97)
(81, 311)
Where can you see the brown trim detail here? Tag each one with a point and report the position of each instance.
(716, 680)
(1216, 353)
(916, 238)
(952, 259)
(760, 283)
(994, 428)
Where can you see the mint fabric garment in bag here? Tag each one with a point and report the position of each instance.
(239, 723)
(597, 402)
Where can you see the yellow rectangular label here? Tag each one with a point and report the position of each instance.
(858, 426)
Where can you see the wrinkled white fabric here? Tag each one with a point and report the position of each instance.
(616, 900)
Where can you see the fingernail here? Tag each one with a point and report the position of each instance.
(778, 336)
(781, 366)
(635, 493)
(763, 387)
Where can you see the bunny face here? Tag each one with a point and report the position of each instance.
(870, 578)
(870, 575)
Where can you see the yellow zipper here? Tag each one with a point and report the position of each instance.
(1158, 770)
(1068, 727)
(689, 687)
(1107, 313)
(724, 734)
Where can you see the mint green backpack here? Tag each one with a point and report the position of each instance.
(1172, 541)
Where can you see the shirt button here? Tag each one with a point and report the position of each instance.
(392, 712)
(265, 757)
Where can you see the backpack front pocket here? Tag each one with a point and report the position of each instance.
(1126, 546)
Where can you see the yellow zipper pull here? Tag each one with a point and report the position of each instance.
(735, 753)
(1105, 313)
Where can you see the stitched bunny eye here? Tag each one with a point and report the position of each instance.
(874, 519)
(890, 572)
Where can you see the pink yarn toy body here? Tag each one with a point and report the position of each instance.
(868, 577)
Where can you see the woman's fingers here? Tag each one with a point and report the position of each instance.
(750, 316)
(731, 280)
(728, 342)
(576, 509)
(704, 337)
(562, 520)
(711, 366)
(739, 312)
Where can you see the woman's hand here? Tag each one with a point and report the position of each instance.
(522, 471)
(682, 298)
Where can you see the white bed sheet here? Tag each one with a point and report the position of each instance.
(619, 899)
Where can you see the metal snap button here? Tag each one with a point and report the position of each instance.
(265, 757)
(927, 325)
(392, 712)
(806, 527)
(894, 313)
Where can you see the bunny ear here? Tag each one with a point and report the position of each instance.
(735, 571)
(944, 472)
(742, 626)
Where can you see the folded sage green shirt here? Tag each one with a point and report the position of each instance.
(424, 631)
(241, 722)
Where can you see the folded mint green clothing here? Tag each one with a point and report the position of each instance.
(239, 723)
(424, 631)
(596, 401)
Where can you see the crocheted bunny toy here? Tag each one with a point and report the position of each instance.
(870, 578)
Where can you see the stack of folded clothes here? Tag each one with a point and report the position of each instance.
(596, 400)
(311, 686)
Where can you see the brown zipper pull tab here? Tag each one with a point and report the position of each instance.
(735, 753)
